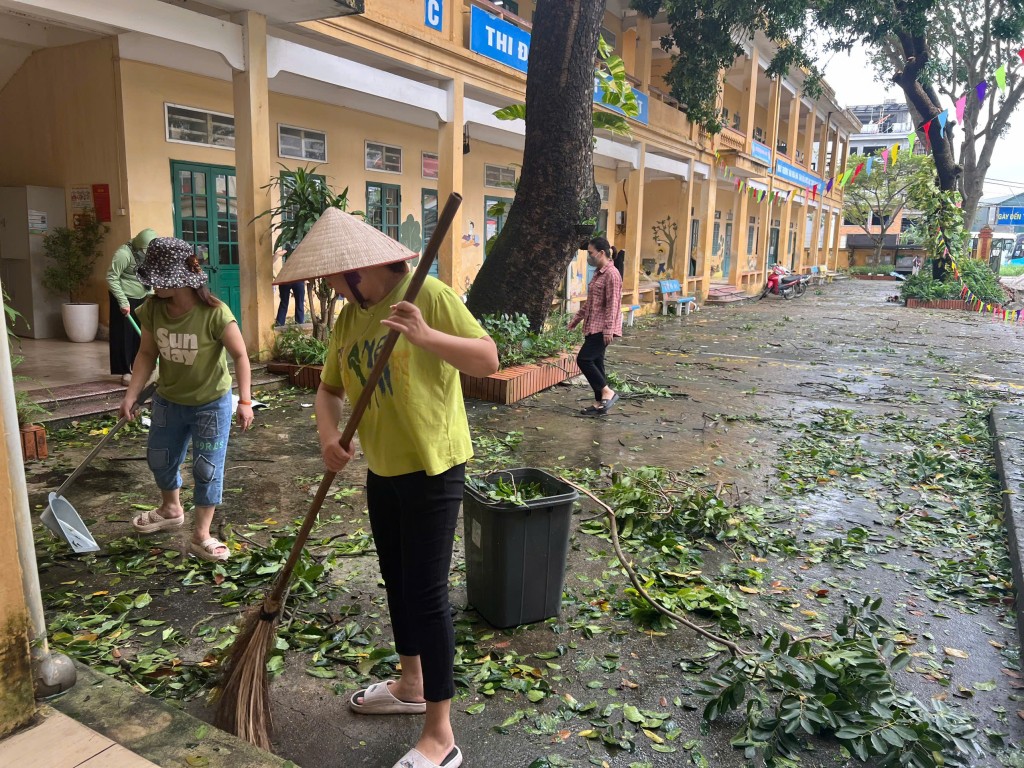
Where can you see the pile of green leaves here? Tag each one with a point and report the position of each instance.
(518, 345)
(506, 491)
(293, 345)
(118, 632)
(977, 276)
(634, 387)
(843, 687)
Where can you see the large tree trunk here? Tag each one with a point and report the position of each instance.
(527, 263)
(924, 101)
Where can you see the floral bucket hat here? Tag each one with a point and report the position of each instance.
(171, 263)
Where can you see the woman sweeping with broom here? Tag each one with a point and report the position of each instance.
(415, 436)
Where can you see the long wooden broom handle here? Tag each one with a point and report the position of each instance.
(272, 603)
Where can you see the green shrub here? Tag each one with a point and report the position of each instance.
(518, 345)
(293, 345)
(872, 269)
(1012, 271)
(976, 275)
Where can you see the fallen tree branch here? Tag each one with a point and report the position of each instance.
(734, 649)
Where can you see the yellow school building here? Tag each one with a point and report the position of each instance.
(176, 115)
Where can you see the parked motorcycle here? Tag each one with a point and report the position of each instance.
(782, 282)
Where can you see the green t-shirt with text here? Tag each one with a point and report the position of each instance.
(193, 367)
(416, 420)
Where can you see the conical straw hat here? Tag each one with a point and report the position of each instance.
(340, 242)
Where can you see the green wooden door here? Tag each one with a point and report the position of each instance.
(206, 215)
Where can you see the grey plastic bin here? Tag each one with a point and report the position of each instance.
(515, 555)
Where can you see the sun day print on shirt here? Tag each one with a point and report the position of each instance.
(177, 347)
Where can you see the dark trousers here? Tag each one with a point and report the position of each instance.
(298, 290)
(413, 521)
(591, 362)
(124, 340)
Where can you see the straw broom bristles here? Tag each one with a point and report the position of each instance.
(244, 703)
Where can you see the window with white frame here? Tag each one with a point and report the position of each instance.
(301, 143)
(195, 126)
(499, 176)
(605, 190)
(751, 234)
(383, 157)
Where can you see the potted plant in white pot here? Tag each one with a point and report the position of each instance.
(74, 252)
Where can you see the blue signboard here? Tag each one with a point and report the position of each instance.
(433, 13)
(762, 153)
(641, 102)
(498, 39)
(1013, 216)
(504, 42)
(796, 175)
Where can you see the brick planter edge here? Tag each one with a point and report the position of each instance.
(959, 304)
(510, 385)
(305, 376)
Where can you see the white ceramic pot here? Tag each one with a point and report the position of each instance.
(81, 321)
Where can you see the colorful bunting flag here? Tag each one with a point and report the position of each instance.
(885, 158)
(981, 89)
(1001, 77)
(942, 118)
(911, 139)
(961, 105)
(857, 170)
(895, 153)
(814, 189)
(828, 187)
(871, 160)
(1021, 54)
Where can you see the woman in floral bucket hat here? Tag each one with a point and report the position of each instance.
(415, 436)
(189, 329)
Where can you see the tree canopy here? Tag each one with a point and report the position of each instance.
(884, 192)
(929, 49)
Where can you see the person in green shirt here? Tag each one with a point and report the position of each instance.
(190, 330)
(415, 436)
(126, 296)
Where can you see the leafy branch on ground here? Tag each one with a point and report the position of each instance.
(844, 687)
(976, 275)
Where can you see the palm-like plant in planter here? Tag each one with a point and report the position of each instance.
(74, 253)
(304, 196)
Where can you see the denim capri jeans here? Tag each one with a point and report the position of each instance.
(207, 427)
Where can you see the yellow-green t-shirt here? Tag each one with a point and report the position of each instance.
(416, 420)
(193, 367)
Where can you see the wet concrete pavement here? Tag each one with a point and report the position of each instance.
(744, 378)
